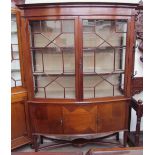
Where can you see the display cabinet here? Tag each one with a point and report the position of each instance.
(79, 60)
(19, 121)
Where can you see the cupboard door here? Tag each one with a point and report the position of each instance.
(79, 119)
(18, 117)
(19, 128)
(112, 116)
(104, 50)
(46, 118)
(53, 58)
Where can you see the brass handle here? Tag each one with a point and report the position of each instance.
(61, 121)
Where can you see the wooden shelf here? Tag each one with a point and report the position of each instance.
(56, 94)
(53, 74)
(13, 32)
(15, 70)
(103, 73)
(53, 49)
(88, 25)
(72, 74)
(15, 51)
(71, 49)
(102, 48)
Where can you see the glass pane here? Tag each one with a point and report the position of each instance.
(91, 40)
(15, 78)
(15, 62)
(44, 32)
(104, 89)
(69, 62)
(53, 57)
(40, 40)
(103, 85)
(121, 26)
(120, 58)
(104, 48)
(65, 40)
(35, 26)
(54, 86)
(88, 26)
(13, 23)
(67, 26)
(107, 29)
(102, 59)
(88, 61)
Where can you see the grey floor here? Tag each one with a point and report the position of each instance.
(84, 149)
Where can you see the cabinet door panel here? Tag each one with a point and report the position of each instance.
(18, 123)
(104, 51)
(112, 116)
(46, 118)
(79, 119)
(53, 58)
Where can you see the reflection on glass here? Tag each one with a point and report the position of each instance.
(15, 64)
(53, 57)
(104, 48)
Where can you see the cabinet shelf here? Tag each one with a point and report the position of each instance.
(70, 49)
(14, 32)
(98, 49)
(53, 49)
(15, 51)
(15, 70)
(53, 74)
(103, 73)
(88, 25)
(72, 74)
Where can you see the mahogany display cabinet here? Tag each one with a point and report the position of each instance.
(78, 64)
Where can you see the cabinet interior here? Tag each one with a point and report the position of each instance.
(53, 57)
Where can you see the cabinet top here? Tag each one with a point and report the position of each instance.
(78, 4)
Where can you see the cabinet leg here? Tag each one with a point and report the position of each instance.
(125, 138)
(117, 136)
(137, 135)
(35, 142)
(41, 139)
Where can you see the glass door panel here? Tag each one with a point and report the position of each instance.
(104, 49)
(15, 60)
(53, 57)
